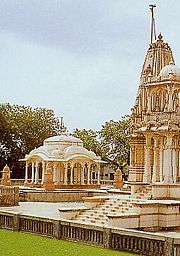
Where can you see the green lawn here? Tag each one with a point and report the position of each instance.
(22, 244)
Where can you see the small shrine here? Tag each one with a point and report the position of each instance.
(63, 159)
(6, 176)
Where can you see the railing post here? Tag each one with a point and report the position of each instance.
(107, 238)
(169, 246)
(56, 229)
(16, 223)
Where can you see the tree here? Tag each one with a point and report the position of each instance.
(114, 141)
(89, 138)
(111, 142)
(21, 130)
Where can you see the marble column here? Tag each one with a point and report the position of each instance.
(26, 173)
(43, 171)
(65, 173)
(32, 176)
(71, 177)
(98, 178)
(88, 173)
(175, 168)
(147, 170)
(148, 102)
(82, 174)
(37, 173)
(155, 176)
(55, 173)
(161, 161)
(168, 169)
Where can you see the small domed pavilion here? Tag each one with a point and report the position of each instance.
(72, 165)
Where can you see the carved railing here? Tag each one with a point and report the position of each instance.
(36, 226)
(107, 182)
(138, 242)
(7, 221)
(81, 234)
(137, 245)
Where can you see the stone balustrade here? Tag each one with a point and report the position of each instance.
(139, 242)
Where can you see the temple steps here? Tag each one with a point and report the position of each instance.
(144, 192)
(98, 215)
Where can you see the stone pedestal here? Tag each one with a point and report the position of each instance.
(48, 180)
(118, 182)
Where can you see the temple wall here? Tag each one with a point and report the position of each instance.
(9, 196)
(55, 196)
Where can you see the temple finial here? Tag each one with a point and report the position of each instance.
(153, 26)
(62, 128)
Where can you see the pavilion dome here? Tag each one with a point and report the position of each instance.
(79, 150)
(170, 70)
(63, 138)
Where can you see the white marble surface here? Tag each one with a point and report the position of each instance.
(41, 209)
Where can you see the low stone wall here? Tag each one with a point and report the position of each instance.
(139, 242)
(166, 191)
(9, 196)
(150, 215)
(57, 196)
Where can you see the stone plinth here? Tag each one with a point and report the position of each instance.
(9, 196)
(130, 220)
(48, 183)
(158, 214)
(166, 191)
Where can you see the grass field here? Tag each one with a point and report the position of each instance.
(22, 244)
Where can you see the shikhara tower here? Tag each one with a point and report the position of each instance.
(155, 142)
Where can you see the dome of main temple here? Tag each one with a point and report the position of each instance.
(170, 71)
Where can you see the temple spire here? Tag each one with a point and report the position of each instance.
(153, 25)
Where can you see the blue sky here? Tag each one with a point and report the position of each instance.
(81, 58)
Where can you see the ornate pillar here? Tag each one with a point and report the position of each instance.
(147, 168)
(65, 173)
(98, 179)
(168, 160)
(175, 167)
(36, 173)
(161, 161)
(55, 172)
(71, 177)
(32, 176)
(26, 173)
(148, 101)
(155, 176)
(82, 173)
(88, 173)
(91, 175)
(43, 171)
(170, 99)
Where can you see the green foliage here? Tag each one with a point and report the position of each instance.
(89, 138)
(21, 130)
(111, 142)
(16, 243)
(114, 141)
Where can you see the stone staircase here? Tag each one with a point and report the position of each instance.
(98, 215)
(144, 192)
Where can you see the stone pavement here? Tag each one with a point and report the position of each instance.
(41, 209)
